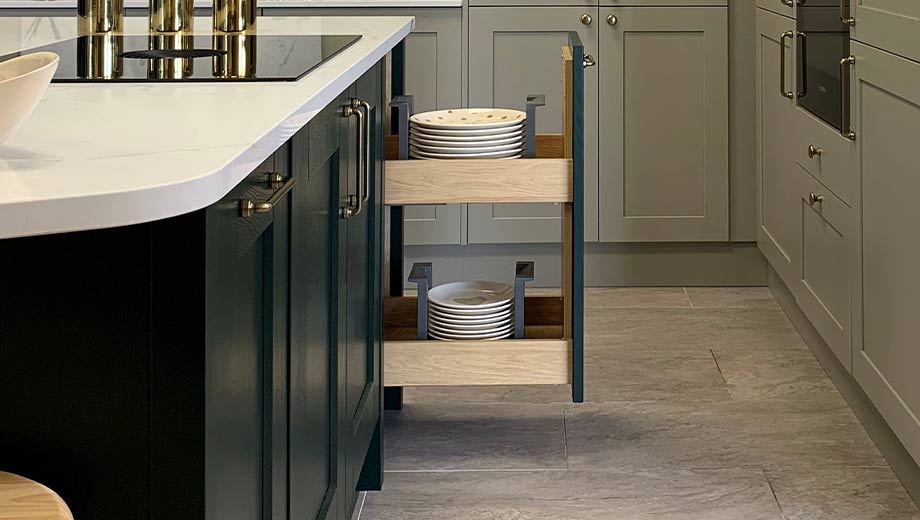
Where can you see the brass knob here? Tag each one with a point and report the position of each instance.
(611, 19)
(814, 198)
(814, 151)
(586, 19)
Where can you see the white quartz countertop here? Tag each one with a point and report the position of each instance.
(72, 4)
(101, 155)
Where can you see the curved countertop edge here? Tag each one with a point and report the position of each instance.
(156, 202)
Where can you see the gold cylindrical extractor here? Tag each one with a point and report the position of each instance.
(99, 16)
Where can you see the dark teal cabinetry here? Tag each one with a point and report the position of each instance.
(212, 365)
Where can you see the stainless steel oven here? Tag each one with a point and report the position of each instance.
(823, 54)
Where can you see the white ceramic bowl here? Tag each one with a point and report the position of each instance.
(23, 81)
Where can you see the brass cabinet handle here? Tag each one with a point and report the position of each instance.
(845, 129)
(814, 151)
(788, 3)
(249, 208)
(366, 159)
(782, 64)
(355, 201)
(612, 20)
(586, 19)
(845, 15)
(588, 61)
(814, 198)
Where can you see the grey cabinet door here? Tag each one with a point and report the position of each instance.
(518, 51)
(434, 75)
(893, 25)
(828, 266)
(783, 7)
(778, 210)
(887, 119)
(664, 124)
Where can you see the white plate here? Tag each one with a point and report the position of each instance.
(516, 147)
(478, 314)
(478, 295)
(479, 331)
(462, 118)
(454, 337)
(469, 320)
(468, 132)
(419, 133)
(465, 145)
(508, 154)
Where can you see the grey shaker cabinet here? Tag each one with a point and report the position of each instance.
(893, 25)
(513, 51)
(664, 124)
(887, 122)
(828, 267)
(433, 74)
(778, 230)
(783, 7)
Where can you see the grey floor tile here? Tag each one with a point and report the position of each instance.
(475, 436)
(636, 297)
(764, 374)
(538, 394)
(732, 297)
(733, 494)
(672, 329)
(842, 493)
(653, 375)
(766, 434)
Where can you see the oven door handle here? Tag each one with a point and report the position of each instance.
(845, 115)
(782, 64)
(802, 38)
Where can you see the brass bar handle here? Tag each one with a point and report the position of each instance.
(845, 129)
(368, 124)
(281, 185)
(782, 64)
(845, 15)
(355, 201)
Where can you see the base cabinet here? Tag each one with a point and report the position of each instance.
(664, 124)
(217, 365)
(509, 49)
(887, 124)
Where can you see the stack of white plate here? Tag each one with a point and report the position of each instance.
(471, 310)
(467, 133)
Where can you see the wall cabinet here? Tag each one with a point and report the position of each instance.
(509, 48)
(778, 232)
(887, 124)
(664, 124)
(433, 72)
(893, 25)
(214, 365)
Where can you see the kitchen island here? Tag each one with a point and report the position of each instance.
(191, 285)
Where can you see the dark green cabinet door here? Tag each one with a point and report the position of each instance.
(317, 156)
(246, 353)
(359, 241)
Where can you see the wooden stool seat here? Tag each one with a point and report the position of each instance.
(24, 499)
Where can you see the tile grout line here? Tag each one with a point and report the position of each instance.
(565, 439)
(360, 508)
(779, 506)
(687, 294)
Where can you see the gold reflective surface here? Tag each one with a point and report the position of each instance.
(99, 56)
(95, 16)
(239, 62)
(170, 16)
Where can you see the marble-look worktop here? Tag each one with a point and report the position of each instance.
(103, 155)
(133, 4)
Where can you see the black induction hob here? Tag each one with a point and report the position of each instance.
(180, 57)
